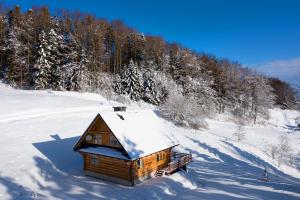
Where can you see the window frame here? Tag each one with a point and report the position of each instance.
(140, 163)
(96, 139)
(94, 160)
(113, 138)
(160, 156)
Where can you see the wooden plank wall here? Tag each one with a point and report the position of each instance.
(151, 164)
(108, 166)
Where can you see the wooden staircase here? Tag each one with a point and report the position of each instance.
(159, 173)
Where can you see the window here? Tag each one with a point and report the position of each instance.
(113, 141)
(88, 138)
(140, 164)
(94, 160)
(98, 139)
(160, 156)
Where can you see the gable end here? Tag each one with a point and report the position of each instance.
(96, 119)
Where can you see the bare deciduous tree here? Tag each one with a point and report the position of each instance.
(240, 132)
(282, 151)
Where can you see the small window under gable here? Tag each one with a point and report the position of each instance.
(113, 141)
(98, 139)
(88, 138)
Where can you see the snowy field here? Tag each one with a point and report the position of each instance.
(39, 129)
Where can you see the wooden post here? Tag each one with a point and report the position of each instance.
(132, 173)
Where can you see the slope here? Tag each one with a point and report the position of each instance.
(39, 129)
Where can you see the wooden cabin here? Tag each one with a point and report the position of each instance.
(128, 147)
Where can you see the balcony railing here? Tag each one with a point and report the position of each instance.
(178, 160)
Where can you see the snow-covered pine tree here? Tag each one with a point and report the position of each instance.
(79, 79)
(153, 90)
(72, 59)
(130, 82)
(117, 85)
(43, 65)
(17, 71)
(56, 43)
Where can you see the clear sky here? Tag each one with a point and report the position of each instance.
(260, 33)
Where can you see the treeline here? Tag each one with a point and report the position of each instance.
(75, 51)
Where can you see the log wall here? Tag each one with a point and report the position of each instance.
(150, 163)
(108, 166)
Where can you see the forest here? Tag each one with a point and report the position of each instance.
(75, 51)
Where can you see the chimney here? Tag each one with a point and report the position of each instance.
(119, 108)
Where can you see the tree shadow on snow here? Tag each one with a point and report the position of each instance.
(16, 191)
(238, 177)
(224, 178)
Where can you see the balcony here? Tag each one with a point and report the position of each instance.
(178, 160)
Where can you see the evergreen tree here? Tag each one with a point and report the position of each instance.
(130, 82)
(153, 90)
(17, 71)
(43, 65)
(78, 75)
(70, 62)
(55, 42)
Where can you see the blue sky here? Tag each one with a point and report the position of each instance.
(256, 33)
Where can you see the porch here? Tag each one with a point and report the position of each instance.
(178, 160)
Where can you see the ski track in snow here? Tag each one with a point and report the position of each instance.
(39, 129)
(42, 113)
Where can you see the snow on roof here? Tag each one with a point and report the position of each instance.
(105, 151)
(140, 132)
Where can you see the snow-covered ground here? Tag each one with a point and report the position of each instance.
(39, 128)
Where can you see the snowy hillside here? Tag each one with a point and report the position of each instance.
(39, 129)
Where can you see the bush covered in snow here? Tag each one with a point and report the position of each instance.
(182, 110)
(282, 151)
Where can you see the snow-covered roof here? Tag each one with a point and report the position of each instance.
(105, 151)
(140, 132)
